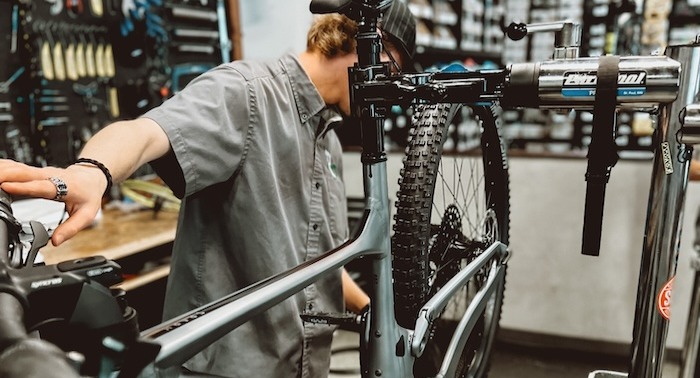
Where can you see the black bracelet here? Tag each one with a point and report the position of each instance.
(102, 168)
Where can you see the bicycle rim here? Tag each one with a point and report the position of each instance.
(450, 208)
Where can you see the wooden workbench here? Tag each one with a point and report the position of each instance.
(119, 235)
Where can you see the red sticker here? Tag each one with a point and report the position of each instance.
(663, 301)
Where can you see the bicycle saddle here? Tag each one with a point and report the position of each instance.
(342, 6)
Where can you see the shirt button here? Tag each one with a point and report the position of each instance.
(315, 227)
(318, 185)
(304, 117)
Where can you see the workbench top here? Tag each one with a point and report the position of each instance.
(116, 236)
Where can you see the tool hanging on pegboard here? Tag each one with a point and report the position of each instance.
(14, 142)
(70, 67)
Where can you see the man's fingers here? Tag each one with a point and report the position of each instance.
(38, 188)
(19, 179)
(14, 171)
(76, 222)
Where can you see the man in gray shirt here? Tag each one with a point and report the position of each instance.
(250, 149)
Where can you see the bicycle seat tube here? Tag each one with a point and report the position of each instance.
(387, 338)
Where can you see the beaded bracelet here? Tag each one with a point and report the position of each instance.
(101, 167)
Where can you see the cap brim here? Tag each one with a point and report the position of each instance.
(409, 63)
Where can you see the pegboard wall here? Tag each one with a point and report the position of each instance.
(70, 67)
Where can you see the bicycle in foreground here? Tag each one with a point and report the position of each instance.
(437, 284)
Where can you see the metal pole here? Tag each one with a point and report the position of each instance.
(689, 356)
(662, 237)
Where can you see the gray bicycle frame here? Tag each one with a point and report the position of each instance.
(186, 335)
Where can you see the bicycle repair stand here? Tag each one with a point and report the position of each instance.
(677, 128)
(691, 343)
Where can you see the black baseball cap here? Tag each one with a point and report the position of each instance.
(399, 26)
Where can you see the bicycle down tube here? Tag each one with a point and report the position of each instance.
(388, 352)
(176, 336)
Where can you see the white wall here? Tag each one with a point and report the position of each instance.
(553, 289)
(271, 27)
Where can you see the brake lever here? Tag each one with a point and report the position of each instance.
(40, 239)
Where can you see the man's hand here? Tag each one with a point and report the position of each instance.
(85, 185)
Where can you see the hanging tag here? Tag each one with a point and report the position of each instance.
(46, 63)
(100, 60)
(113, 102)
(58, 62)
(90, 61)
(110, 70)
(97, 8)
(56, 7)
(71, 69)
(80, 60)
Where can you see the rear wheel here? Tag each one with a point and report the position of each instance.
(450, 208)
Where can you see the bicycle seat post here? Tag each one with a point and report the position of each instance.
(369, 67)
(368, 38)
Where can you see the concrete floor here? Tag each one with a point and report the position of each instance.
(509, 361)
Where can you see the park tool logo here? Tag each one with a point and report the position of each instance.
(582, 84)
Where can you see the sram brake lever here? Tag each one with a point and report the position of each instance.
(39, 240)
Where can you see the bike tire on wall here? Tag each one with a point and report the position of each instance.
(416, 236)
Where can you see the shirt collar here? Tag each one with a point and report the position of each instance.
(330, 119)
(308, 101)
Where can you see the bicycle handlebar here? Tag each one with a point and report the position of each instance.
(20, 355)
(67, 299)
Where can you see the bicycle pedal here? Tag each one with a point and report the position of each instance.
(331, 318)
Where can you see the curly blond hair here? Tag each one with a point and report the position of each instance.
(332, 35)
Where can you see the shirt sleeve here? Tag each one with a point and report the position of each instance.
(207, 124)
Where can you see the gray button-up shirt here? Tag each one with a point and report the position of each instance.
(261, 180)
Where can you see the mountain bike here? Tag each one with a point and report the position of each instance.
(438, 282)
